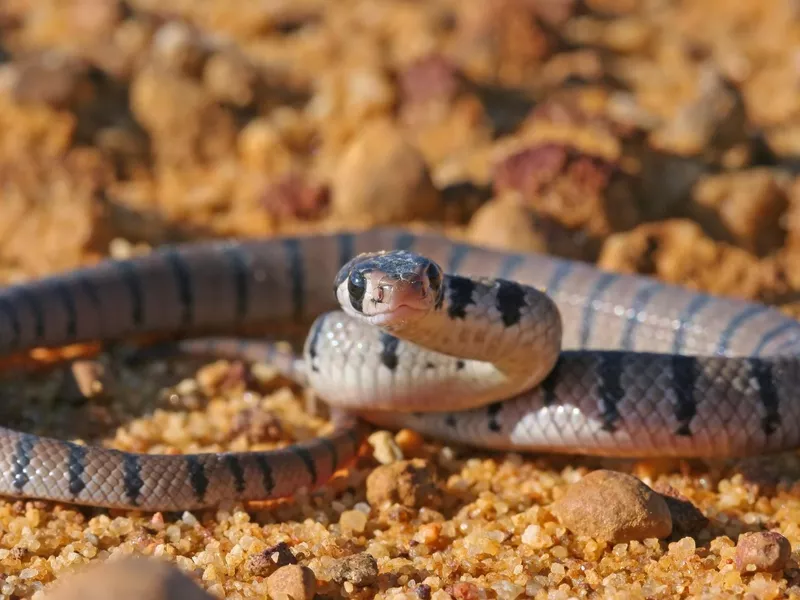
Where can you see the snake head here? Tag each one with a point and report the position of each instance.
(389, 288)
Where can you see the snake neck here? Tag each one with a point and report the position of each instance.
(513, 329)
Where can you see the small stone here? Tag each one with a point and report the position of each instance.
(49, 78)
(430, 78)
(463, 590)
(353, 521)
(211, 376)
(535, 537)
(128, 579)
(614, 507)
(506, 223)
(746, 209)
(408, 440)
(583, 197)
(261, 147)
(293, 197)
(384, 447)
(230, 78)
(19, 553)
(263, 563)
(686, 517)
(428, 88)
(382, 178)
(351, 95)
(428, 533)
(359, 569)
(86, 379)
(87, 18)
(712, 122)
(178, 47)
(157, 521)
(502, 41)
(678, 251)
(423, 591)
(257, 426)
(762, 551)
(410, 483)
(683, 549)
(293, 581)
(184, 122)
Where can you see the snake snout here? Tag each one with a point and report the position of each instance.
(411, 290)
(418, 287)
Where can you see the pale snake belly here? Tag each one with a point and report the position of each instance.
(548, 356)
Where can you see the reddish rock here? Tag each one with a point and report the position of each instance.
(762, 551)
(587, 196)
(294, 197)
(430, 78)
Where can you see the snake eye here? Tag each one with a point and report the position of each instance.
(356, 287)
(434, 279)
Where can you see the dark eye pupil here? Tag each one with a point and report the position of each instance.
(434, 278)
(356, 286)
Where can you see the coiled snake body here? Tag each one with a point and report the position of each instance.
(549, 355)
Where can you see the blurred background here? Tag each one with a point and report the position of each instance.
(658, 137)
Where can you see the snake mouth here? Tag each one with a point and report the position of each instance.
(398, 315)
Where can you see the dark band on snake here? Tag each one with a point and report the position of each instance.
(76, 468)
(685, 371)
(183, 281)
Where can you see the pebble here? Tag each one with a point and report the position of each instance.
(410, 483)
(463, 590)
(229, 77)
(182, 118)
(382, 178)
(385, 448)
(762, 551)
(86, 379)
(614, 507)
(128, 579)
(506, 223)
(535, 537)
(48, 78)
(179, 48)
(585, 197)
(502, 33)
(430, 78)
(429, 533)
(745, 209)
(261, 147)
(359, 569)
(428, 88)
(263, 563)
(293, 197)
(294, 582)
(409, 441)
(679, 251)
(353, 522)
(94, 18)
(713, 121)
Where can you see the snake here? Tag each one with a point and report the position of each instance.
(494, 349)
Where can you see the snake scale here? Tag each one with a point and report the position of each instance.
(549, 355)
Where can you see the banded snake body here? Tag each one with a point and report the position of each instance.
(550, 355)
